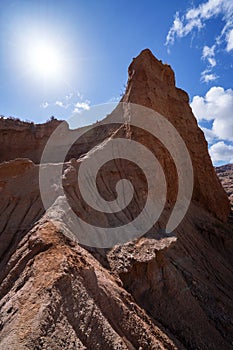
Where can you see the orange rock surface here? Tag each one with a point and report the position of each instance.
(159, 291)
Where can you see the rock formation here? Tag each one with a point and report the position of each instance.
(152, 84)
(157, 292)
(24, 139)
(225, 174)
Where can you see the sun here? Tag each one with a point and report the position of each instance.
(44, 60)
(43, 56)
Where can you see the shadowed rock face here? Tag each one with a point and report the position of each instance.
(152, 84)
(20, 139)
(157, 292)
(225, 174)
(24, 140)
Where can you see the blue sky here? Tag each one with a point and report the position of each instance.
(88, 45)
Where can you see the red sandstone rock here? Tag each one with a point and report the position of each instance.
(157, 292)
(225, 174)
(152, 84)
(24, 140)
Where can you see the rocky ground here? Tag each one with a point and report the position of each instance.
(160, 291)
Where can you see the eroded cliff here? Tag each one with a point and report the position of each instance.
(160, 291)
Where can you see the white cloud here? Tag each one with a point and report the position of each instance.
(206, 10)
(79, 95)
(209, 135)
(207, 77)
(180, 29)
(59, 104)
(69, 96)
(216, 105)
(209, 55)
(81, 106)
(70, 103)
(114, 99)
(229, 41)
(62, 104)
(196, 19)
(221, 152)
(44, 105)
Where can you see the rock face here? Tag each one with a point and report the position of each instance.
(157, 292)
(225, 174)
(152, 84)
(24, 140)
(20, 139)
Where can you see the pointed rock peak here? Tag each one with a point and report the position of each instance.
(152, 84)
(145, 55)
(148, 65)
